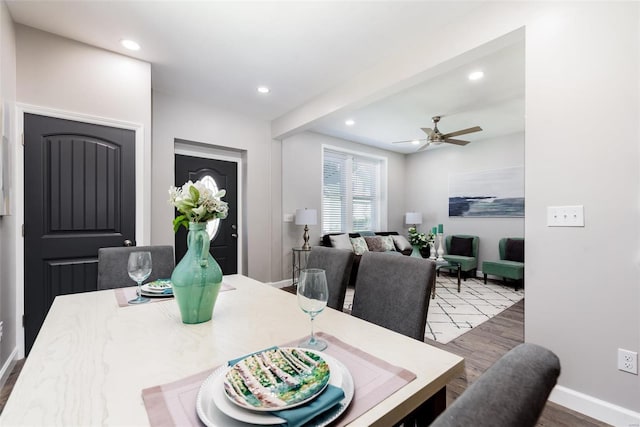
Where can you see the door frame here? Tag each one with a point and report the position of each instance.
(143, 195)
(194, 149)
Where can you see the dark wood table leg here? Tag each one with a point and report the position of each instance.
(427, 412)
(459, 277)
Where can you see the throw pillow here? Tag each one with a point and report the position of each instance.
(374, 244)
(401, 243)
(462, 246)
(359, 245)
(341, 241)
(387, 243)
(514, 250)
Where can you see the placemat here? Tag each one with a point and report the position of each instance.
(374, 380)
(123, 295)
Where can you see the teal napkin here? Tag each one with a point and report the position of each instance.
(296, 417)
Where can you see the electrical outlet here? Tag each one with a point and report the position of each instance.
(628, 361)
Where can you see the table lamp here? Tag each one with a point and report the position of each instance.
(306, 217)
(414, 218)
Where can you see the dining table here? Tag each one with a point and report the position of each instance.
(96, 361)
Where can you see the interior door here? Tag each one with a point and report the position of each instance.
(224, 234)
(79, 196)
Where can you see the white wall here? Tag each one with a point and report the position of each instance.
(178, 118)
(8, 223)
(302, 186)
(427, 188)
(583, 285)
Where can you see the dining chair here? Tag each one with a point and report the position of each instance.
(393, 292)
(337, 265)
(513, 392)
(112, 265)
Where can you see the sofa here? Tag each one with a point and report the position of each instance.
(398, 250)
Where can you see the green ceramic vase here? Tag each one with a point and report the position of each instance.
(416, 251)
(197, 278)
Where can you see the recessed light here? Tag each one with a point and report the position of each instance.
(263, 89)
(476, 75)
(350, 122)
(130, 44)
(415, 142)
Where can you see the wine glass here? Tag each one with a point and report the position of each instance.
(139, 268)
(312, 299)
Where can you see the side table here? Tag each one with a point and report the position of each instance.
(299, 258)
(440, 264)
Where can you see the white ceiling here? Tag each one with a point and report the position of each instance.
(218, 52)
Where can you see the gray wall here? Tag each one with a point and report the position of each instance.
(302, 186)
(178, 118)
(8, 223)
(427, 188)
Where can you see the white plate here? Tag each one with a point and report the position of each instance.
(216, 410)
(161, 286)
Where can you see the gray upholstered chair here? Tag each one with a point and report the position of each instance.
(337, 264)
(393, 292)
(112, 265)
(513, 392)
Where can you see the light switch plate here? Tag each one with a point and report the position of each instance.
(287, 218)
(565, 216)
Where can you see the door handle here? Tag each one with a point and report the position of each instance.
(127, 243)
(234, 235)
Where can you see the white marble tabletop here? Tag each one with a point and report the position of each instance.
(92, 358)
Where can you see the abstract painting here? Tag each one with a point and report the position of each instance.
(491, 193)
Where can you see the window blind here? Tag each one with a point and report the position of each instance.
(350, 192)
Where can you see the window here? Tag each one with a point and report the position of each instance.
(350, 192)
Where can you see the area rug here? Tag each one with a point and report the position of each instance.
(451, 314)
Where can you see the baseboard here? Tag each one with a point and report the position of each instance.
(7, 368)
(281, 284)
(595, 408)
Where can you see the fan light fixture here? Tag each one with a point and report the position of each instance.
(415, 142)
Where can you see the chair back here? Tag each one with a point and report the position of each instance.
(337, 265)
(474, 243)
(513, 392)
(393, 292)
(502, 245)
(112, 265)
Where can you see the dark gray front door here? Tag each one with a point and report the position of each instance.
(79, 196)
(224, 246)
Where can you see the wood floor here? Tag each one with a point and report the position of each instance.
(481, 347)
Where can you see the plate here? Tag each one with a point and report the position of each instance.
(216, 410)
(302, 375)
(157, 286)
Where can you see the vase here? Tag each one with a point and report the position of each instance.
(416, 251)
(197, 278)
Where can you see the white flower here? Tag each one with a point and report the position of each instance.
(197, 203)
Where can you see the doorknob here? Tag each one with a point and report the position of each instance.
(127, 243)
(234, 235)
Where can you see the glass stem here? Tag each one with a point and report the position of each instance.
(139, 290)
(312, 340)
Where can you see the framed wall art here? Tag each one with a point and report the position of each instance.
(494, 193)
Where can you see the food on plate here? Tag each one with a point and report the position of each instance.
(276, 378)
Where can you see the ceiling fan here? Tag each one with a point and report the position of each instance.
(434, 136)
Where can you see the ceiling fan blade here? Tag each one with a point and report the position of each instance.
(423, 147)
(428, 131)
(463, 132)
(456, 141)
(409, 140)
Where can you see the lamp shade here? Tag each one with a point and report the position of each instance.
(413, 218)
(306, 216)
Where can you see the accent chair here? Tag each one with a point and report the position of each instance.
(511, 263)
(112, 265)
(462, 249)
(393, 292)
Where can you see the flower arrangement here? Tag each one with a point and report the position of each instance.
(420, 239)
(196, 203)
